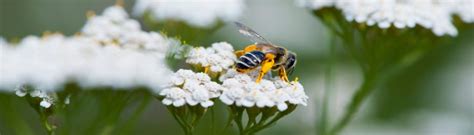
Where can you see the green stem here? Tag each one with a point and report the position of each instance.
(229, 120)
(274, 120)
(137, 113)
(329, 77)
(361, 94)
(213, 121)
(43, 113)
(278, 116)
(49, 128)
(180, 122)
(252, 114)
(238, 119)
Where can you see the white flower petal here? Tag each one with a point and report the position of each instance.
(220, 57)
(167, 101)
(226, 100)
(179, 102)
(207, 104)
(45, 104)
(282, 106)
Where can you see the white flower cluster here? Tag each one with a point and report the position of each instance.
(242, 90)
(88, 59)
(47, 98)
(114, 27)
(199, 13)
(218, 58)
(187, 87)
(432, 14)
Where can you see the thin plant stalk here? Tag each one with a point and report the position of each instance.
(329, 87)
(137, 113)
(213, 121)
(361, 94)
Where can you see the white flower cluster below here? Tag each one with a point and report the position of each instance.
(242, 90)
(432, 14)
(217, 58)
(187, 87)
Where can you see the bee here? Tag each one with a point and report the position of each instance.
(265, 54)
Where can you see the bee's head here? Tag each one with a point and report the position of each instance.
(290, 63)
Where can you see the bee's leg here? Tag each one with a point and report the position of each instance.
(206, 69)
(239, 53)
(283, 75)
(266, 66)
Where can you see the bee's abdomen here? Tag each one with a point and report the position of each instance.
(250, 60)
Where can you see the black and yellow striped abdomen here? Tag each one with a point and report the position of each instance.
(250, 60)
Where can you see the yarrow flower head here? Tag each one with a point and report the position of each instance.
(199, 13)
(114, 27)
(431, 14)
(111, 51)
(218, 58)
(242, 90)
(187, 87)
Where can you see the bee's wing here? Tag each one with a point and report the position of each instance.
(251, 34)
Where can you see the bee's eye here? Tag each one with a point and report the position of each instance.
(291, 61)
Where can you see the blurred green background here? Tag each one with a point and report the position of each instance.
(435, 96)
